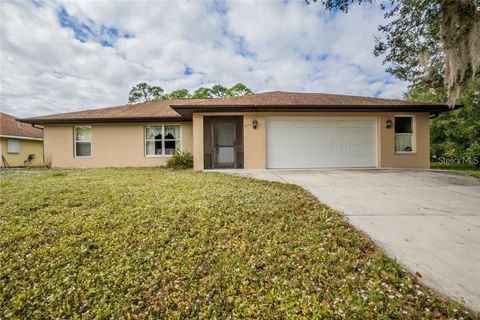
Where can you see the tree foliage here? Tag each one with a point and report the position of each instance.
(455, 133)
(430, 88)
(239, 90)
(202, 93)
(178, 94)
(341, 5)
(420, 35)
(411, 45)
(434, 34)
(219, 91)
(143, 92)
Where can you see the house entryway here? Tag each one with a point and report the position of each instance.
(223, 142)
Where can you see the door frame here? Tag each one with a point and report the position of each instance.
(210, 149)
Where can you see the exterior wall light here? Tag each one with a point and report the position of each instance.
(388, 124)
(254, 123)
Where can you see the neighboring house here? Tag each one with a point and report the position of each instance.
(265, 130)
(20, 144)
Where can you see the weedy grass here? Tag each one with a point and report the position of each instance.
(159, 243)
(470, 169)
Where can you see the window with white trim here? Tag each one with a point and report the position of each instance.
(404, 134)
(13, 146)
(83, 141)
(162, 140)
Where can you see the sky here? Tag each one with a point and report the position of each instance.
(74, 55)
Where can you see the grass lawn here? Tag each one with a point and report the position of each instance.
(155, 243)
(467, 168)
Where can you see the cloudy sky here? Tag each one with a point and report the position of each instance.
(73, 55)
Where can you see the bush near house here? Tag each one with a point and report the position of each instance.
(181, 160)
(149, 243)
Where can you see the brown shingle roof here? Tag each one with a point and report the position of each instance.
(9, 126)
(181, 109)
(147, 111)
(279, 98)
(304, 102)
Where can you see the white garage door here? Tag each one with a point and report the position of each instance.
(321, 143)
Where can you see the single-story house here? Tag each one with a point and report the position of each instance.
(264, 130)
(21, 145)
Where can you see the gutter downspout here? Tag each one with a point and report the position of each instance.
(43, 142)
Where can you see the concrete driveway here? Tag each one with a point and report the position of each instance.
(428, 220)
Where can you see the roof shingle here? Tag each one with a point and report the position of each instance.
(175, 110)
(9, 126)
(131, 112)
(279, 98)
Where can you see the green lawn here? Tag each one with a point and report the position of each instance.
(155, 243)
(467, 168)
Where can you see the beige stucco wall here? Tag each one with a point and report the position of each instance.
(113, 145)
(255, 140)
(27, 147)
(420, 158)
(122, 145)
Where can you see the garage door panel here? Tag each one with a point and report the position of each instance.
(321, 143)
(314, 124)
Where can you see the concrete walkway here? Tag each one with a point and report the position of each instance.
(428, 220)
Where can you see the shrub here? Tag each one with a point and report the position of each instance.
(47, 162)
(181, 160)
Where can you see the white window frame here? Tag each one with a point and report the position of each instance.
(13, 146)
(75, 142)
(413, 134)
(179, 140)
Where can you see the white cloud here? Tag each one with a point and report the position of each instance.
(48, 68)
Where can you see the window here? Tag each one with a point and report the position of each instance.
(13, 146)
(403, 134)
(162, 140)
(83, 141)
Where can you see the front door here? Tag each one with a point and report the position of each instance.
(223, 142)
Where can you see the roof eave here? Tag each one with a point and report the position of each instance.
(102, 120)
(186, 111)
(14, 136)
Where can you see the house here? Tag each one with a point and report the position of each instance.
(264, 130)
(20, 144)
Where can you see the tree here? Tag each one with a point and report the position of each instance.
(202, 93)
(143, 92)
(239, 90)
(219, 91)
(457, 133)
(425, 34)
(178, 94)
(431, 88)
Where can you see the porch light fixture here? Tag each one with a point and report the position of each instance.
(388, 124)
(254, 123)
